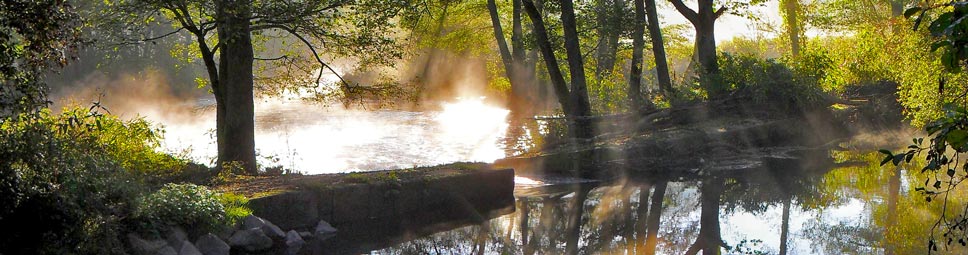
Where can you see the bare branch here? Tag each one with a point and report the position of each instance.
(271, 59)
(690, 14)
(144, 40)
(312, 48)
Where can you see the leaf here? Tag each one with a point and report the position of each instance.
(911, 11)
(951, 172)
(887, 159)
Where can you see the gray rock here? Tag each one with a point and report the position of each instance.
(273, 231)
(294, 242)
(323, 229)
(176, 236)
(252, 221)
(211, 245)
(141, 246)
(167, 250)
(251, 240)
(305, 234)
(188, 249)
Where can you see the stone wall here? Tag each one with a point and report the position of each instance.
(471, 192)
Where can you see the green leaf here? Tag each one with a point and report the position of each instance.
(957, 138)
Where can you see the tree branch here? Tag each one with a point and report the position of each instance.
(140, 41)
(312, 48)
(690, 14)
(719, 12)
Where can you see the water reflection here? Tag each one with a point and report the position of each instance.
(842, 202)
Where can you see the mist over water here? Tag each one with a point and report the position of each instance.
(316, 139)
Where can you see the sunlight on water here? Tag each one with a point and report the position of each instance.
(317, 139)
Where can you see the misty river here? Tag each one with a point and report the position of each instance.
(843, 202)
(846, 204)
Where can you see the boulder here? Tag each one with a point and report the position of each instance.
(176, 236)
(187, 248)
(251, 240)
(141, 246)
(324, 230)
(294, 242)
(167, 250)
(252, 221)
(305, 234)
(273, 231)
(210, 244)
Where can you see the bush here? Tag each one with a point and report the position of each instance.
(185, 205)
(72, 184)
(771, 83)
(61, 188)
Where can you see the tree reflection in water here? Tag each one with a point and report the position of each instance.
(839, 203)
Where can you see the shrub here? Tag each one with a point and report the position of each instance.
(61, 188)
(185, 205)
(771, 83)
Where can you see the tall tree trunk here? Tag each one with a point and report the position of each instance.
(704, 22)
(608, 17)
(581, 108)
(502, 43)
(548, 54)
(235, 127)
(655, 215)
(658, 48)
(638, 43)
(791, 9)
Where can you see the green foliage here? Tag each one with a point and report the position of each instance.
(236, 207)
(34, 36)
(186, 205)
(772, 83)
(71, 182)
(63, 190)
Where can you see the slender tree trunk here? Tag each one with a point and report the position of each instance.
(658, 48)
(655, 215)
(235, 128)
(608, 17)
(548, 54)
(581, 108)
(791, 9)
(638, 43)
(502, 44)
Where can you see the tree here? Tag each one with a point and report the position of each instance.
(948, 134)
(35, 36)
(704, 21)
(574, 101)
(658, 48)
(791, 9)
(513, 59)
(638, 42)
(344, 28)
